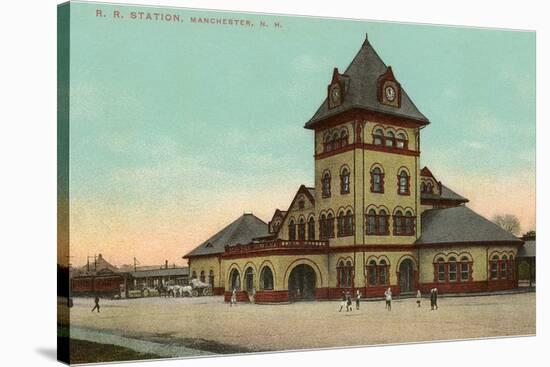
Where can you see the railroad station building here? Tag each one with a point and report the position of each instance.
(375, 219)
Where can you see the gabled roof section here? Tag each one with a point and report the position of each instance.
(308, 192)
(241, 231)
(446, 194)
(461, 224)
(361, 90)
(425, 172)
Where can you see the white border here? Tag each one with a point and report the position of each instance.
(28, 185)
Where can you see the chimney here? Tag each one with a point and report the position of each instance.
(166, 264)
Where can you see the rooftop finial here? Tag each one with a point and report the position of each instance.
(366, 36)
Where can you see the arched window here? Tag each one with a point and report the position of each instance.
(429, 188)
(341, 224)
(382, 272)
(464, 268)
(452, 269)
(383, 223)
(345, 274)
(401, 141)
(441, 273)
(323, 227)
(494, 267)
(371, 273)
(336, 141)
(211, 278)
(409, 223)
(398, 223)
(249, 279)
(235, 280)
(403, 183)
(390, 139)
(302, 230)
(422, 187)
(326, 185)
(292, 230)
(194, 275)
(202, 277)
(378, 137)
(349, 223)
(344, 138)
(376, 180)
(504, 267)
(371, 222)
(344, 181)
(311, 229)
(327, 143)
(266, 278)
(330, 225)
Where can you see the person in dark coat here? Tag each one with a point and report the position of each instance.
(433, 299)
(96, 301)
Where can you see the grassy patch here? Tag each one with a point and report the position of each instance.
(90, 352)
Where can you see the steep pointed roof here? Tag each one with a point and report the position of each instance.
(241, 231)
(360, 90)
(461, 224)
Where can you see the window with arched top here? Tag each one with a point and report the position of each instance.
(403, 183)
(452, 269)
(336, 141)
(311, 229)
(378, 137)
(323, 227)
(494, 267)
(382, 272)
(194, 275)
(341, 224)
(266, 278)
(429, 188)
(504, 267)
(349, 225)
(398, 223)
(464, 268)
(401, 141)
(302, 230)
(422, 187)
(441, 272)
(326, 184)
(345, 274)
(345, 181)
(376, 180)
(409, 222)
(390, 139)
(327, 143)
(292, 230)
(344, 138)
(371, 273)
(235, 280)
(330, 225)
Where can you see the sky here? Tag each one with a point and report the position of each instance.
(178, 128)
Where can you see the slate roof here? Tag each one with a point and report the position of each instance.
(241, 231)
(460, 224)
(311, 191)
(446, 194)
(360, 90)
(529, 249)
(160, 272)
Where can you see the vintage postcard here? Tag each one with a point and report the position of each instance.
(240, 182)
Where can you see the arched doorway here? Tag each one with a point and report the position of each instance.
(235, 280)
(266, 278)
(406, 276)
(301, 283)
(249, 280)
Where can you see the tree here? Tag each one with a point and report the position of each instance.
(508, 222)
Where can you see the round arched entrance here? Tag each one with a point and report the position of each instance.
(406, 276)
(301, 283)
(235, 280)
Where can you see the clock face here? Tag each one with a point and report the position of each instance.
(390, 93)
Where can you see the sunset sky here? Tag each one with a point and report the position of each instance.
(179, 128)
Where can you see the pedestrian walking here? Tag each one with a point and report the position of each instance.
(418, 297)
(96, 301)
(387, 294)
(233, 301)
(357, 299)
(348, 302)
(343, 302)
(435, 299)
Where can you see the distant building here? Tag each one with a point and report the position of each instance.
(375, 219)
(159, 277)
